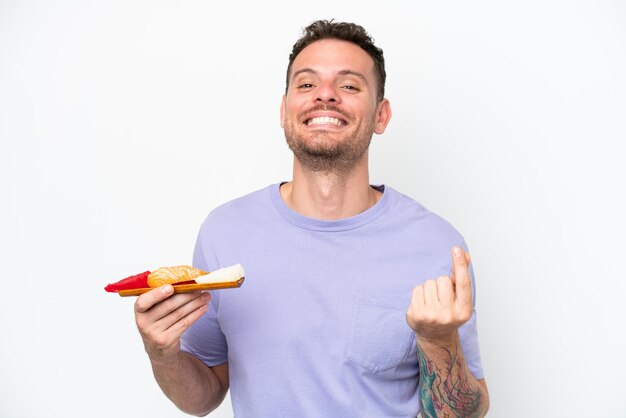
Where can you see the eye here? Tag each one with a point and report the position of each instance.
(350, 87)
(305, 86)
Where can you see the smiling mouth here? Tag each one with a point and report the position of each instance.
(325, 120)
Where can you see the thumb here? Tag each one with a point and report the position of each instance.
(461, 276)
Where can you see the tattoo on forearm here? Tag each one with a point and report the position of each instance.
(427, 379)
(444, 387)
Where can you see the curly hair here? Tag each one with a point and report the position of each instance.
(344, 31)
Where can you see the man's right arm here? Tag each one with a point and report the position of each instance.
(162, 317)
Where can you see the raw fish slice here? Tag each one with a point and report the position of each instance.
(174, 274)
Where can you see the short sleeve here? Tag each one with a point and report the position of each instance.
(204, 339)
(471, 349)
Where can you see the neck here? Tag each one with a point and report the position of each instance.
(330, 195)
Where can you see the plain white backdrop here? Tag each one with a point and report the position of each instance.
(123, 123)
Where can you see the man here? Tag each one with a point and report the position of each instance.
(319, 328)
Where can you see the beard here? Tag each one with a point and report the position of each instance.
(317, 151)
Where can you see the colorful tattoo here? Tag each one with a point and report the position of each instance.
(444, 387)
(427, 379)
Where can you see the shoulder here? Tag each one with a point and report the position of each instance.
(246, 203)
(418, 219)
(237, 213)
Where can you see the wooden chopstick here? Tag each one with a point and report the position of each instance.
(186, 288)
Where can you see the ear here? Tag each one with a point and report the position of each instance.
(383, 115)
(283, 103)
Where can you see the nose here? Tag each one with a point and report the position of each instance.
(326, 93)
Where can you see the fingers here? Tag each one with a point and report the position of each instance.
(431, 297)
(438, 307)
(435, 293)
(418, 296)
(188, 316)
(430, 313)
(177, 309)
(162, 317)
(149, 299)
(167, 310)
(445, 291)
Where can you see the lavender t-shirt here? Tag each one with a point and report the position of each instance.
(318, 328)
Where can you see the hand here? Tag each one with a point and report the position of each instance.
(439, 307)
(163, 316)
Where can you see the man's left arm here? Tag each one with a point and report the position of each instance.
(438, 308)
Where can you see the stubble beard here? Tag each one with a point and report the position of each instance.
(319, 153)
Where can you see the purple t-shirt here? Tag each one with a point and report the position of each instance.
(318, 328)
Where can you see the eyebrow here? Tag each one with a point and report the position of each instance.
(342, 72)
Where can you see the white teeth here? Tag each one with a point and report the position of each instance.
(324, 120)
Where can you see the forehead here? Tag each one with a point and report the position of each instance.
(332, 56)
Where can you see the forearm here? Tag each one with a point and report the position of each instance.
(447, 388)
(192, 386)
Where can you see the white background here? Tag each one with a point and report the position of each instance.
(123, 123)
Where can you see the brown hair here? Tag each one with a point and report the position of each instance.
(350, 32)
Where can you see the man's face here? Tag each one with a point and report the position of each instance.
(330, 110)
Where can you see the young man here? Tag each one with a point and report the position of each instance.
(320, 327)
